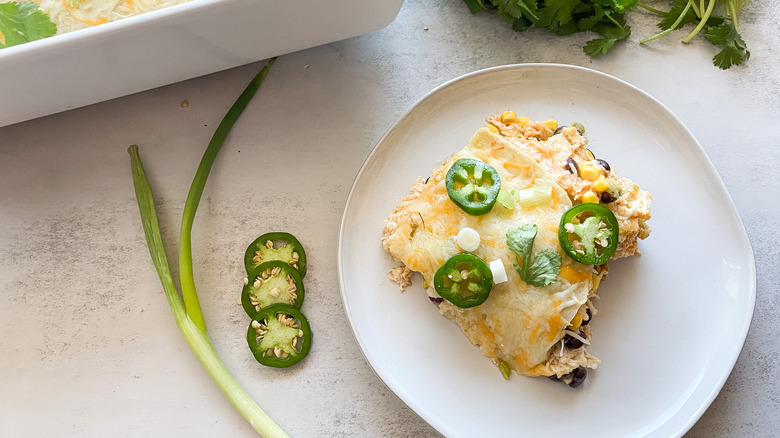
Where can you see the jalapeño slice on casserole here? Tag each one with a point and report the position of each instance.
(589, 233)
(464, 280)
(271, 283)
(276, 246)
(279, 336)
(473, 185)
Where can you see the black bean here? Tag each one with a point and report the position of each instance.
(590, 316)
(436, 301)
(604, 164)
(558, 130)
(578, 377)
(572, 166)
(606, 198)
(571, 342)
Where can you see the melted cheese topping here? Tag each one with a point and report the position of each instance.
(518, 323)
(70, 15)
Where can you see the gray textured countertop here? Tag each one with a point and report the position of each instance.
(88, 346)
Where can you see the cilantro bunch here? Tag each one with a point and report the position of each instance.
(720, 30)
(605, 18)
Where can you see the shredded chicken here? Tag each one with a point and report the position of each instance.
(401, 275)
(631, 208)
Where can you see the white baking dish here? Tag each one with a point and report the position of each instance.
(170, 45)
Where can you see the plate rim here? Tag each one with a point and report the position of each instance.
(721, 188)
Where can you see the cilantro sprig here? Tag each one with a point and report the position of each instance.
(23, 22)
(720, 30)
(545, 266)
(733, 48)
(607, 19)
(565, 17)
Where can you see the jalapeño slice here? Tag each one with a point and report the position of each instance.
(271, 283)
(279, 336)
(589, 233)
(464, 280)
(473, 185)
(276, 246)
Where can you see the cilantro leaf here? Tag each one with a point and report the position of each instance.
(586, 23)
(521, 242)
(556, 13)
(670, 18)
(22, 22)
(512, 10)
(612, 32)
(733, 48)
(624, 5)
(475, 5)
(522, 24)
(599, 46)
(544, 268)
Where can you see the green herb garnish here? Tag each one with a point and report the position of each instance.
(565, 17)
(545, 266)
(612, 32)
(607, 18)
(186, 308)
(23, 22)
(733, 49)
(720, 30)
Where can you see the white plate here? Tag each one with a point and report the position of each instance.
(671, 323)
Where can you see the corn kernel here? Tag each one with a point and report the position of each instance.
(576, 322)
(508, 117)
(522, 121)
(596, 280)
(492, 129)
(600, 185)
(551, 123)
(591, 173)
(590, 197)
(590, 154)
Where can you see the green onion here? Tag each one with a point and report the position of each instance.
(540, 194)
(506, 197)
(186, 308)
(504, 368)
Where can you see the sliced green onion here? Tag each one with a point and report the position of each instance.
(507, 197)
(504, 368)
(539, 195)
